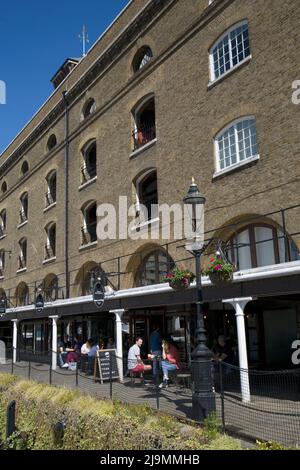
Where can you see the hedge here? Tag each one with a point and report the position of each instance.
(94, 424)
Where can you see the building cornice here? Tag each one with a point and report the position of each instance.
(115, 49)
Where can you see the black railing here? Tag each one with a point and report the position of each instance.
(88, 172)
(144, 134)
(23, 216)
(252, 404)
(89, 233)
(22, 262)
(49, 251)
(50, 198)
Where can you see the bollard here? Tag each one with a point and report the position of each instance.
(10, 419)
(58, 433)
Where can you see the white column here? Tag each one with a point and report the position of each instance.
(15, 339)
(119, 343)
(54, 319)
(239, 305)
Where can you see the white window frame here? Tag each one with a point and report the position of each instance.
(213, 77)
(239, 163)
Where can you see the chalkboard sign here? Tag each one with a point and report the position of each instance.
(105, 359)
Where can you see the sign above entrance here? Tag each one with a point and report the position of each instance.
(39, 303)
(98, 293)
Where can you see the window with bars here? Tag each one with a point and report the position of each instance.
(230, 50)
(236, 143)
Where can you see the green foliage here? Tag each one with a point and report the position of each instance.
(219, 265)
(91, 423)
(270, 445)
(211, 426)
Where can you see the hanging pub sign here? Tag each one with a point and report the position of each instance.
(3, 303)
(98, 293)
(39, 303)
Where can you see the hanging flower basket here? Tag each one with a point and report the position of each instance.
(179, 279)
(220, 279)
(220, 272)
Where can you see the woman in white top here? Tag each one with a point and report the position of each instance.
(85, 348)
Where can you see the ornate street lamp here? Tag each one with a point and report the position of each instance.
(203, 400)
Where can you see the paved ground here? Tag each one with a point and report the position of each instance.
(266, 417)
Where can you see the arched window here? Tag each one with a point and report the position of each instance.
(24, 207)
(89, 228)
(88, 109)
(236, 143)
(4, 187)
(89, 167)
(22, 294)
(52, 142)
(142, 58)
(51, 188)
(153, 268)
(230, 50)
(50, 287)
(146, 194)
(24, 168)
(2, 222)
(144, 123)
(260, 245)
(23, 253)
(50, 247)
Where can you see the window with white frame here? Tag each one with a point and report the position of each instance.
(24, 207)
(23, 253)
(51, 188)
(230, 50)
(2, 222)
(236, 143)
(2, 262)
(50, 247)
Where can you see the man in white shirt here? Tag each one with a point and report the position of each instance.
(135, 363)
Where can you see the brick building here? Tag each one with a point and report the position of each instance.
(172, 89)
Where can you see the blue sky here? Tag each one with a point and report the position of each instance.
(35, 39)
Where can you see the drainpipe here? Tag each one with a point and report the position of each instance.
(66, 182)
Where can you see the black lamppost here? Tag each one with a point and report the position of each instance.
(203, 400)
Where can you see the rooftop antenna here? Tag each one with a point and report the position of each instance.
(83, 36)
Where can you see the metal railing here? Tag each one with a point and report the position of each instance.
(50, 198)
(89, 233)
(271, 411)
(144, 134)
(88, 172)
(49, 251)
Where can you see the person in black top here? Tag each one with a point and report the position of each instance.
(222, 351)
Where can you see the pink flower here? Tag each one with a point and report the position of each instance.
(185, 281)
(217, 267)
(169, 276)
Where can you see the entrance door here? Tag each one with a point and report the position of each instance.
(280, 331)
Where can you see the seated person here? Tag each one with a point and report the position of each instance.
(170, 362)
(91, 357)
(135, 363)
(85, 349)
(61, 353)
(110, 344)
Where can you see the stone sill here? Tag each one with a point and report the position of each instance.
(229, 72)
(49, 260)
(49, 207)
(22, 270)
(142, 149)
(235, 167)
(22, 224)
(87, 246)
(87, 183)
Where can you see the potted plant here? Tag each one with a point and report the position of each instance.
(220, 271)
(179, 279)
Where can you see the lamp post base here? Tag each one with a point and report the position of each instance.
(203, 404)
(204, 400)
